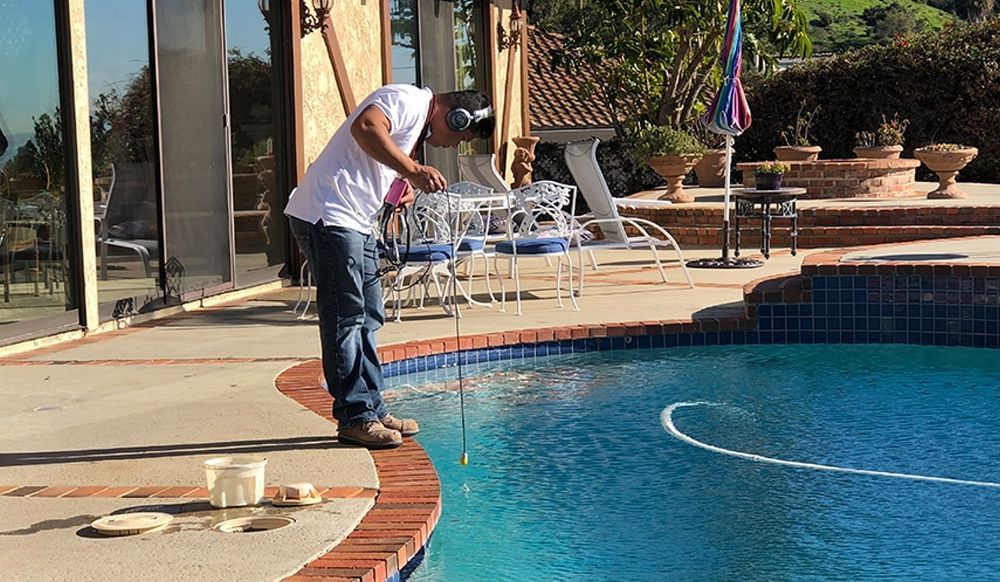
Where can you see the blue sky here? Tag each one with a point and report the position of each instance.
(117, 48)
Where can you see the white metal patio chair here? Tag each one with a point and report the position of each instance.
(543, 230)
(426, 247)
(478, 204)
(581, 158)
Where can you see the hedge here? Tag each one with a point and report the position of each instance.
(947, 83)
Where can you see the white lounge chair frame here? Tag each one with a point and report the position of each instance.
(581, 158)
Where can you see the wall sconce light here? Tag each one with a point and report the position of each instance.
(265, 10)
(311, 21)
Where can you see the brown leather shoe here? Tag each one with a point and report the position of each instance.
(405, 426)
(371, 435)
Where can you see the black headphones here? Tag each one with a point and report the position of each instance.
(460, 119)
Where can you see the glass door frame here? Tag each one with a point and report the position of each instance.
(71, 319)
(188, 295)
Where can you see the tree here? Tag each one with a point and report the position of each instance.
(657, 61)
(980, 10)
(892, 21)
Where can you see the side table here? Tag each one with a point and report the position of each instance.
(766, 205)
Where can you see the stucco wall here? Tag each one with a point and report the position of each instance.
(358, 27)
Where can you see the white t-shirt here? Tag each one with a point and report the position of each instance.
(344, 186)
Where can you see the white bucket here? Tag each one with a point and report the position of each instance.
(235, 481)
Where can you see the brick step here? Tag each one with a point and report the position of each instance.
(669, 217)
(827, 236)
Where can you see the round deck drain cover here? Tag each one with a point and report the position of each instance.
(253, 524)
(130, 524)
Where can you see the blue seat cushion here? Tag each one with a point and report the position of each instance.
(471, 244)
(425, 253)
(534, 246)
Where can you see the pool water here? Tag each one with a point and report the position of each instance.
(573, 476)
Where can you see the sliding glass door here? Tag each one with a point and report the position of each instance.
(194, 147)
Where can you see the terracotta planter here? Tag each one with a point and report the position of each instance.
(674, 169)
(882, 153)
(797, 153)
(524, 155)
(947, 165)
(711, 169)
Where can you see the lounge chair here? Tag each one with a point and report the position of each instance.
(581, 158)
(129, 221)
(482, 169)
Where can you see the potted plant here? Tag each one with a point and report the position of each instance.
(946, 160)
(798, 139)
(671, 153)
(711, 169)
(769, 174)
(885, 143)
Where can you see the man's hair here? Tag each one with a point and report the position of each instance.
(472, 101)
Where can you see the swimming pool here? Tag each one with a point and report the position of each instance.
(573, 476)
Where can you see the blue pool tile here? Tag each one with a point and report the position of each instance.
(658, 341)
(644, 342)
(671, 340)
(698, 339)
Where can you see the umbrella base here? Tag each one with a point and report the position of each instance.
(721, 263)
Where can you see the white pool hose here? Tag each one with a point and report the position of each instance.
(666, 417)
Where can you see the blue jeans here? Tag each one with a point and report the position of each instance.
(349, 299)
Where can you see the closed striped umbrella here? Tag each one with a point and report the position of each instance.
(729, 115)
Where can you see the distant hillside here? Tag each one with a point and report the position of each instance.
(839, 25)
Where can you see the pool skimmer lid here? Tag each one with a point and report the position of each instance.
(130, 524)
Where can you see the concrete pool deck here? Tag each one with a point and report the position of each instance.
(121, 421)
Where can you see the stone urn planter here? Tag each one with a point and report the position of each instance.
(524, 155)
(674, 169)
(797, 153)
(879, 153)
(711, 169)
(946, 163)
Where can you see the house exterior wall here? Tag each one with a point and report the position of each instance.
(358, 27)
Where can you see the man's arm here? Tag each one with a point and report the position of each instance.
(371, 131)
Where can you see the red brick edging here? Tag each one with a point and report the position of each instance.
(407, 505)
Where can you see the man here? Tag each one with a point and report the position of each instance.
(339, 197)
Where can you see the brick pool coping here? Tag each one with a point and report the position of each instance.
(413, 482)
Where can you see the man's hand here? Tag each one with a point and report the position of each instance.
(427, 178)
(408, 197)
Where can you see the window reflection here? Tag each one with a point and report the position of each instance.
(127, 225)
(258, 224)
(34, 266)
(405, 45)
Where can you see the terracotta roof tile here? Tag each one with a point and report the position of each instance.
(554, 94)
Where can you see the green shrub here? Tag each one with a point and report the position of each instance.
(772, 168)
(945, 84)
(658, 140)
